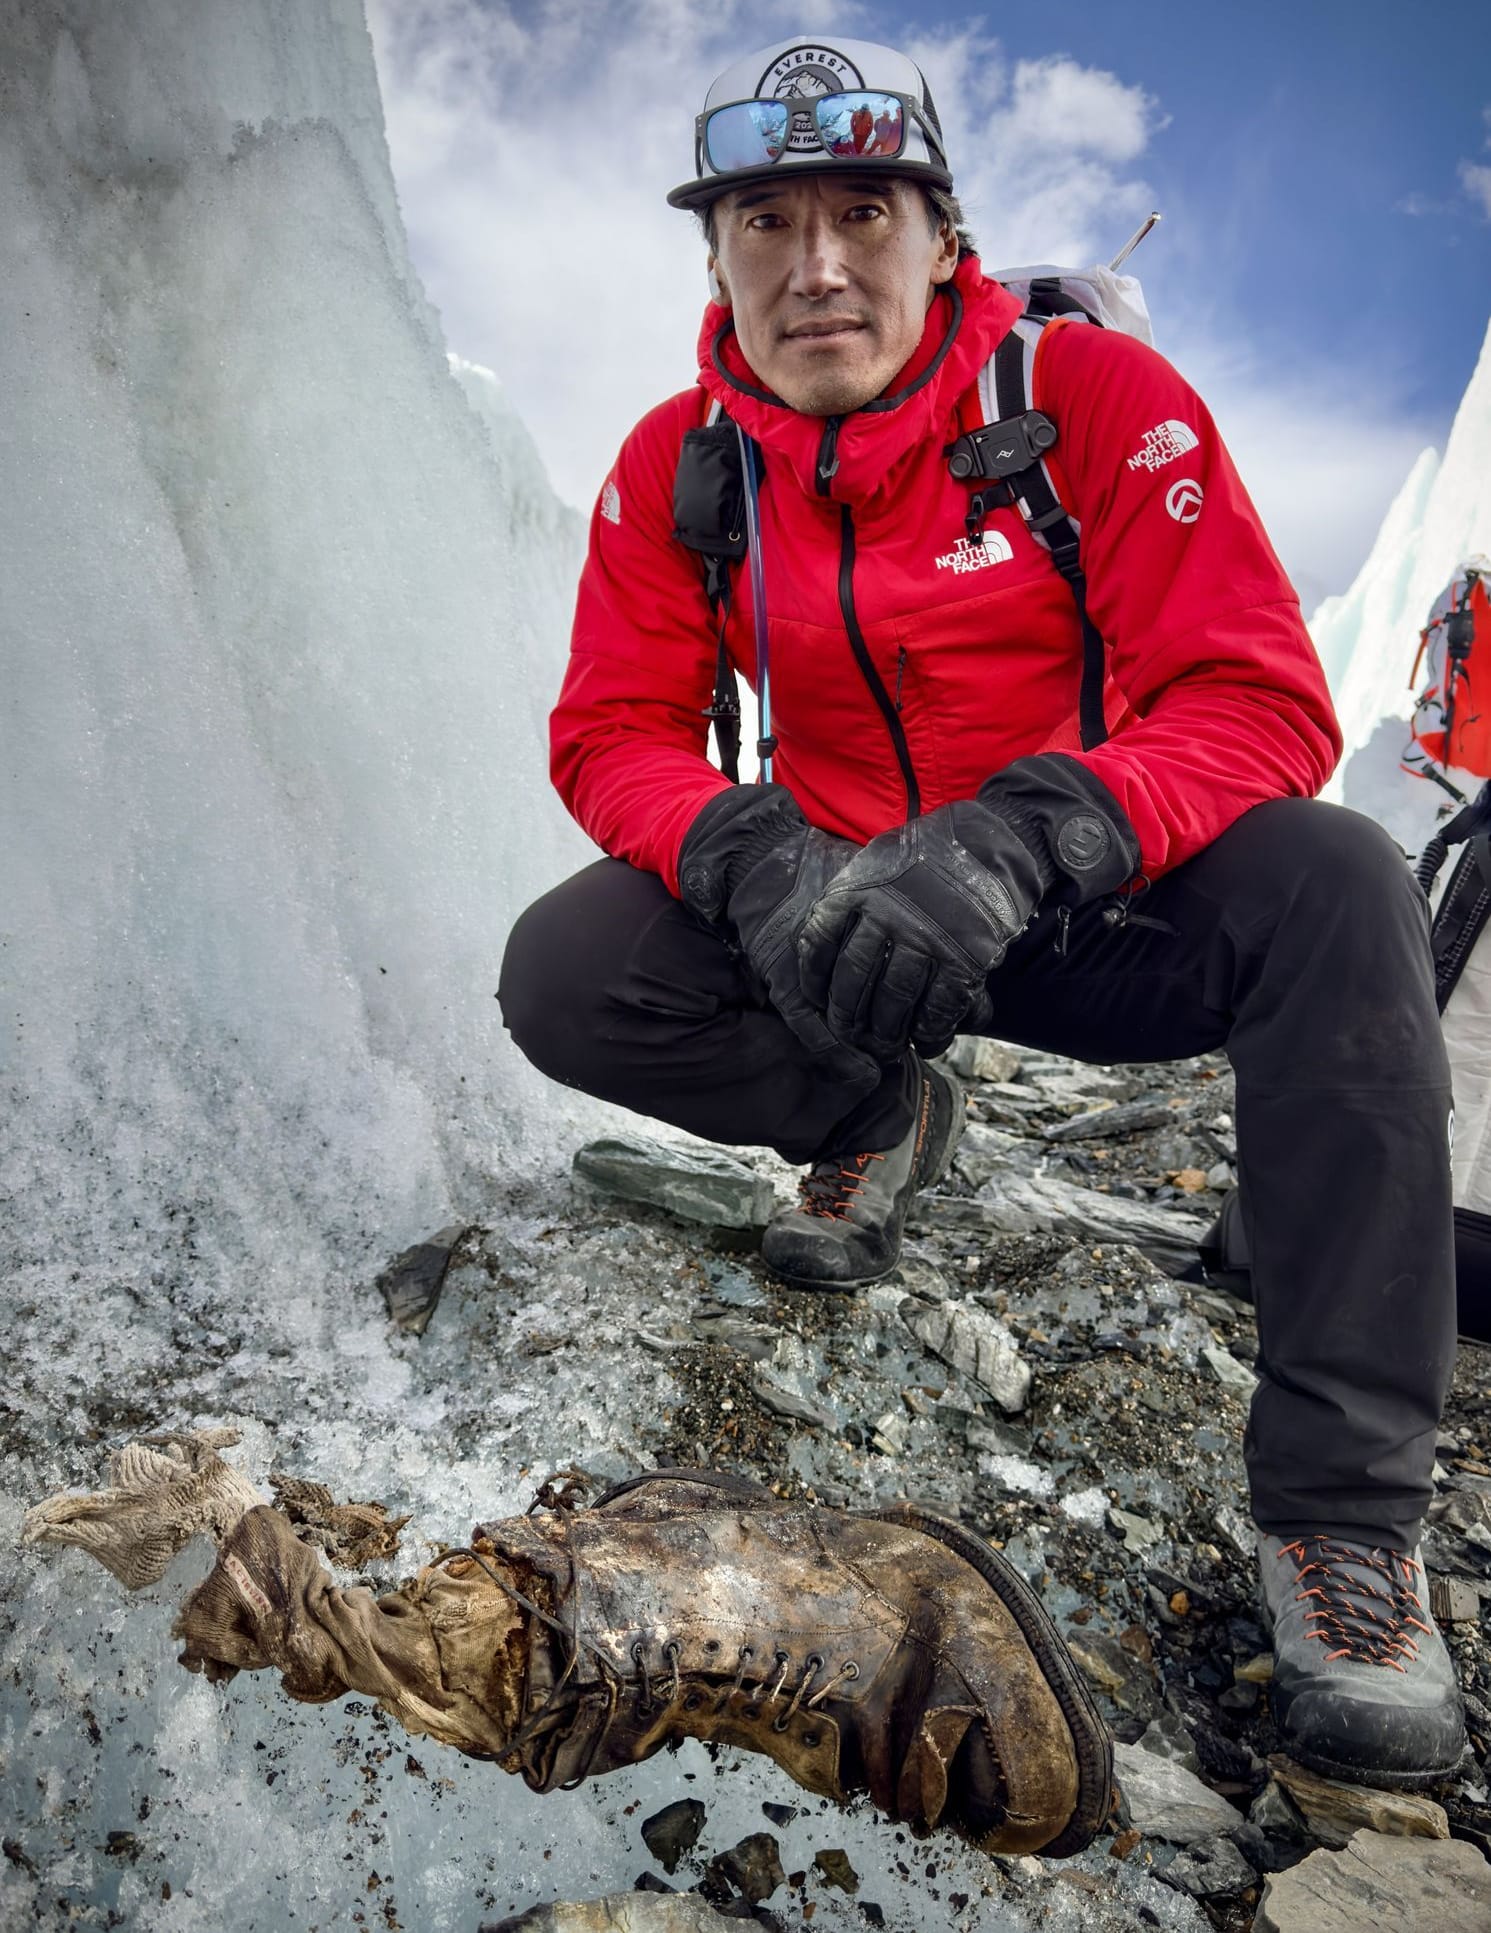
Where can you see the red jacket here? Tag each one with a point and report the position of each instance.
(1216, 699)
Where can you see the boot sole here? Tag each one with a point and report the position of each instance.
(1371, 1775)
(1090, 1739)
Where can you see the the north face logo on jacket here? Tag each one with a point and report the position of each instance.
(1163, 444)
(966, 555)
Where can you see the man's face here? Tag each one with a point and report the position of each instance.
(828, 279)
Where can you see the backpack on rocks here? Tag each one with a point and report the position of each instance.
(1451, 725)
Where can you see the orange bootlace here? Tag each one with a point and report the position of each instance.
(829, 1188)
(1366, 1622)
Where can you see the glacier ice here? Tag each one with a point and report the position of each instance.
(283, 616)
(1368, 636)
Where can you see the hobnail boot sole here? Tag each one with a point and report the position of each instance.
(732, 1488)
(1091, 1741)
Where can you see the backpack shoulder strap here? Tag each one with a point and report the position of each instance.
(709, 519)
(1010, 451)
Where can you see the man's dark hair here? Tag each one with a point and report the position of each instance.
(944, 210)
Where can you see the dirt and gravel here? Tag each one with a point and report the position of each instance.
(1035, 1369)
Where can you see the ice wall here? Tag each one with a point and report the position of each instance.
(282, 617)
(1366, 638)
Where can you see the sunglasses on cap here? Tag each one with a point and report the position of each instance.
(867, 124)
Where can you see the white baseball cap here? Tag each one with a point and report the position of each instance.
(813, 105)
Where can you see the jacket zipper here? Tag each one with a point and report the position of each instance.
(888, 710)
(828, 456)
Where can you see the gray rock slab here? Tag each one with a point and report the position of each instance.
(986, 1152)
(1229, 1372)
(1167, 1802)
(1103, 1123)
(753, 1868)
(1334, 1811)
(669, 1834)
(782, 1400)
(1210, 1870)
(619, 1913)
(1040, 1204)
(976, 1344)
(976, 1059)
(1389, 1884)
(1454, 1600)
(697, 1184)
(1139, 1534)
(412, 1282)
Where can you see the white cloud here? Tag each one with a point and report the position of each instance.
(1475, 179)
(533, 147)
(533, 142)
(1475, 176)
(1040, 149)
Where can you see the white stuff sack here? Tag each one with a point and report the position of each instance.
(1116, 300)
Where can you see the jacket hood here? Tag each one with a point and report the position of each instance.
(968, 318)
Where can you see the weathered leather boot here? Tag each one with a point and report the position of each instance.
(846, 1230)
(885, 1652)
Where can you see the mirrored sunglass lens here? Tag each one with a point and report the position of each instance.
(850, 125)
(746, 135)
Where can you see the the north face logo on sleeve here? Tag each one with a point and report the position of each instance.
(611, 502)
(1163, 444)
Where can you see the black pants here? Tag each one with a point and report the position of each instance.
(1297, 941)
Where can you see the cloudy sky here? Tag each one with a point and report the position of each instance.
(1322, 274)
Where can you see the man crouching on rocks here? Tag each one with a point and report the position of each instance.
(959, 822)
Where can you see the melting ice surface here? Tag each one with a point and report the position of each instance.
(1367, 637)
(286, 596)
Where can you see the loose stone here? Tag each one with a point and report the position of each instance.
(696, 1184)
(1334, 1811)
(1391, 1885)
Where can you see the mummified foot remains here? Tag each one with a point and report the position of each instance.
(888, 1653)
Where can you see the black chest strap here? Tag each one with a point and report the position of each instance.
(1008, 453)
(709, 519)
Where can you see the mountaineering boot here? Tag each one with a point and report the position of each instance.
(885, 1652)
(1363, 1686)
(846, 1230)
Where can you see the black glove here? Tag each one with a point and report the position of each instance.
(752, 868)
(902, 940)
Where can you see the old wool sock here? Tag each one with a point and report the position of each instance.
(162, 1491)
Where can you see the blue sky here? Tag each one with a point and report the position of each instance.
(1309, 166)
(1323, 272)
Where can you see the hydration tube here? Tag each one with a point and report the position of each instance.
(764, 740)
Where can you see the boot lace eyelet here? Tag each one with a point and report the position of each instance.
(812, 1740)
(692, 1701)
(644, 1706)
